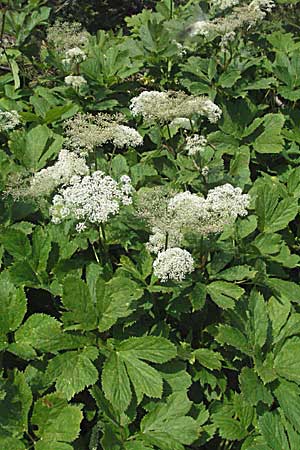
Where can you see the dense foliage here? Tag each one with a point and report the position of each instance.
(149, 239)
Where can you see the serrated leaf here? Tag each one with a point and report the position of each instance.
(224, 294)
(287, 361)
(77, 299)
(198, 296)
(50, 445)
(273, 431)
(126, 363)
(271, 140)
(253, 389)
(114, 301)
(167, 426)
(12, 307)
(232, 336)
(9, 443)
(44, 333)
(229, 428)
(258, 320)
(288, 396)
(15, 403)
(56, 419)
(208, 358)
(237, 273)
(73, 371)
(16, 243)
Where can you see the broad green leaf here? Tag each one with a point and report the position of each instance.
(273, 432)
(229, 428)
(15, 403)
(50, 445)
(117, 388)
(77, 300)
(287, 361)
(73, 371)
(41, 246)
(114, 300)
(252, 388)
(44, 333)
(237, 273)
(224, 294)
(16, 243)
(288, 396)
(208, 358)
(9, 443)
(232, 336)
(258, 321)
(56, 419)
(285, 290)
(167, 426)
(126, 363)
(198, 296)
(271, 140)
(12, 307)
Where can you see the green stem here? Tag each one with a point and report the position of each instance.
(171, 9)
(169, 132)
(95, 253)
(166, 241)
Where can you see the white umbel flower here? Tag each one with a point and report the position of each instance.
(9, 120)
(166, 106)
(160, 238)
(195, 144)
(74, 56)
(76, 81)
(92, 198)
(85, 132)
(224, 4)
(47, 180)
(173, 264)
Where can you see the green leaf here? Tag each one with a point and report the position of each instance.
(73, 371)
(198, 296)
(208, 358)
(50, 445)
(126, 363)
(228, 335)
(258, 320)
(237, 273)
(16, 243)
(77, 300)
(167, 426)
(273, 431)
(56, 419)
(15, 403)
(271, 140)
(9, 443)
(288, 396)
(229, 428)
(253, 389)
(114, 300)
(12, 307)
(15, 71)
(287, 361)
(274, 215)
(41, 246)
(224, 294)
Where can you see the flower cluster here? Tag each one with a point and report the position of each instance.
(9, 120)
(44, 182)
(66, 36)
(195, 144)
(171, 216)
(166, 106)
(246, 15)
(74, 56)
(85, 132)
(76, 81)
(91, 199)
(173, 264)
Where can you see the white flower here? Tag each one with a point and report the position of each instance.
(123, 136)
(205, 171)
(9, 120)
(85, 132)
(169, 105)
(195, 144)
(162, 238)
(76, 81)
(74, 56)
(173, 264)
(224, 4)
(92, 198)
(201, 27)
(47, 180)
